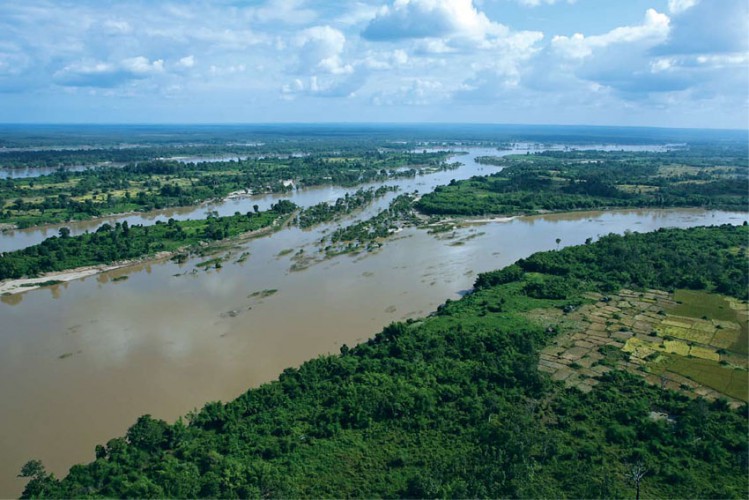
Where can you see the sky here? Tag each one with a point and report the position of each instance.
(664, 63)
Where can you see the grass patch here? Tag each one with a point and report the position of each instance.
(43, 283)
(730, 381)
(208, 263)
(263, 293)
(696, 304)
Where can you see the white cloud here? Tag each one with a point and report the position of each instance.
(107, 74)
(117, 27)
(319, 49)
(654, 29)
(536, 3)
(284, 11)
(385, 61)
(417, 92)
(679, 6)
(431, 18)
(709, 28)
(322, 87)
(186, 62)
(142, 66)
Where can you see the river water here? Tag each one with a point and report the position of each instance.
(79, 362)
(13, 240)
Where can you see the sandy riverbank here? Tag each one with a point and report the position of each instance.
(486, 220)
(22, 285)
(25, 284)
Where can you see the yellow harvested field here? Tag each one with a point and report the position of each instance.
(691, 335)
(639, 348)
(728, 325)
(692, 355)
(676, 347)
(737, 305)
(678, 322)
(672, 331)
(704, 353)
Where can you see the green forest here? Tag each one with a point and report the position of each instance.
(154, 184)
(453, 405)
(712, 178)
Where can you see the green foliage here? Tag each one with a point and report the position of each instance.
(561, 181)
(152, 183)
(648, 260)
(122, 241)
(326, 212)
(365, 234)
(499, 277)
(449, 406)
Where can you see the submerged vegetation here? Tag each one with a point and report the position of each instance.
(121, 241)
(503, 393)
(454, 405)
(326, 212)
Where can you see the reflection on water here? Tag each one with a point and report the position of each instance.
(80, 362)
(13, 240)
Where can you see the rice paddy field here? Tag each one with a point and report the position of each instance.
(690, 341)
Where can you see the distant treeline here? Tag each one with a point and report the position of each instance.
(558, 181)
(155, 184)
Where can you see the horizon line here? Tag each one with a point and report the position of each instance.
(359, 123)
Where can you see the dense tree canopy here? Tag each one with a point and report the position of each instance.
(454, 406)
(586, 180)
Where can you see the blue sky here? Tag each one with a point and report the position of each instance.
(670, 63)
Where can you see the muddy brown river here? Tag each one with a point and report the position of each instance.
(79, 362)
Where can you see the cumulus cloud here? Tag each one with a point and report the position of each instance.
(664, 59)
(319, 49)
(708, 27)
(315, 86)
(107, 74)
(619, 59)
(679, 6)
(430, 19)
(374, 52)
(654, 29)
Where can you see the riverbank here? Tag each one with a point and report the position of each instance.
(161, 344)
(12, 287)
(22, 285)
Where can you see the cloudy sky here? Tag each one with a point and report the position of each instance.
(674, 63)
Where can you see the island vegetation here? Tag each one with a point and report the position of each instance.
(455, 405)
(347, 204)
(154, 184)
(121, 241)
(124, 242)
(708, 177)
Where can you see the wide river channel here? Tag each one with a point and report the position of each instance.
(79, 362)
